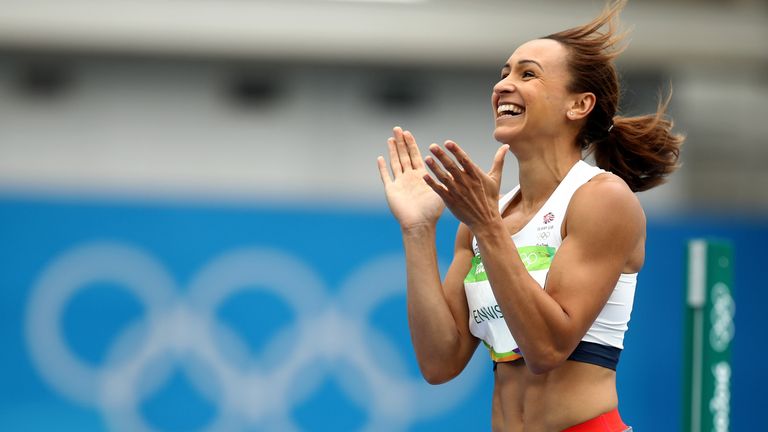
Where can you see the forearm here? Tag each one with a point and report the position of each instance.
(434, 331)
(535, 319)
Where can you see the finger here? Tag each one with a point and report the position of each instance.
(394, 159)
(383, 172)
(402, 151)
(438, 187)
(461, 157)
(442, 175)
(498, 162)
(446, 160)
(413, 150)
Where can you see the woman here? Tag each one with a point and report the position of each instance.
(544, 276)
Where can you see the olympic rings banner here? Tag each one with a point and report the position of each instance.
(123, 316)
(126, 318)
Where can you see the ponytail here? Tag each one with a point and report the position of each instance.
(641, 150)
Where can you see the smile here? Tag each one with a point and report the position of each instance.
(509, 110)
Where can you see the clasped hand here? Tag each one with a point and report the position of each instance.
(416, 197)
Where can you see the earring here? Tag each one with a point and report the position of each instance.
(570, 114)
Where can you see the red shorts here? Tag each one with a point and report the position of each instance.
(608, 422)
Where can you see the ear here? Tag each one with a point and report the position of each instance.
(581, 105)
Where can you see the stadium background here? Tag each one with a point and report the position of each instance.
(175, 137)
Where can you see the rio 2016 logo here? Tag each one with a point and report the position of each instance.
(721, 316)
(331, 336)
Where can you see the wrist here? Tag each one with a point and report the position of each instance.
(418, 230)
(489, 230)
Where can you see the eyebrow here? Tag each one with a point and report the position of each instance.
(507, 66)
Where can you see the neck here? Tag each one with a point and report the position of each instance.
(541, 174)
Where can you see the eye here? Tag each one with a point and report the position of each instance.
(528, 74)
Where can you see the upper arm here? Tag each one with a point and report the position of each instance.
(605, 225)
(453, 288)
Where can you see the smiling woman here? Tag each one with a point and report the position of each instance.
(545, 275)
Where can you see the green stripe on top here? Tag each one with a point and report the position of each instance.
(477, 271)
(534, 258)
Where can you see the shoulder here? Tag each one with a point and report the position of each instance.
(605, 202)
(606, 190)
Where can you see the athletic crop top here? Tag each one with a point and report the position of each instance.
(537, 244)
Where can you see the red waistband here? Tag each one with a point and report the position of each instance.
(608, 422)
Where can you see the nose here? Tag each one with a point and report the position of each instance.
(504, 86)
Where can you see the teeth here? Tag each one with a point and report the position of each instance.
(509, 107)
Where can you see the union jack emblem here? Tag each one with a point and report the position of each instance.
(549, 217)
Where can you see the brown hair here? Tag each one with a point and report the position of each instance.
(641, 150)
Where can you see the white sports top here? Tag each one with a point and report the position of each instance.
(537, 244)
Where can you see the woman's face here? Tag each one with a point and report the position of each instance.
(531, 100)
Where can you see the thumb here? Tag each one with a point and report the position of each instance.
(498, 163)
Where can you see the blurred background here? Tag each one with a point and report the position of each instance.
(194, 235)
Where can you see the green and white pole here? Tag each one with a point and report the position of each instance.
(709, 330)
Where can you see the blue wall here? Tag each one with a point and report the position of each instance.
(225, 292)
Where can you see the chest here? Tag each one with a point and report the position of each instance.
(515, 218)
(535, 227)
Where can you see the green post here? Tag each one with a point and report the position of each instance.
(709, 330)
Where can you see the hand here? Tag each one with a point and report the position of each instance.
(470, 194)
(411, 201)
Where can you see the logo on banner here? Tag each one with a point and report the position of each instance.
(720, 404)
(331, 336)
(721, 316)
